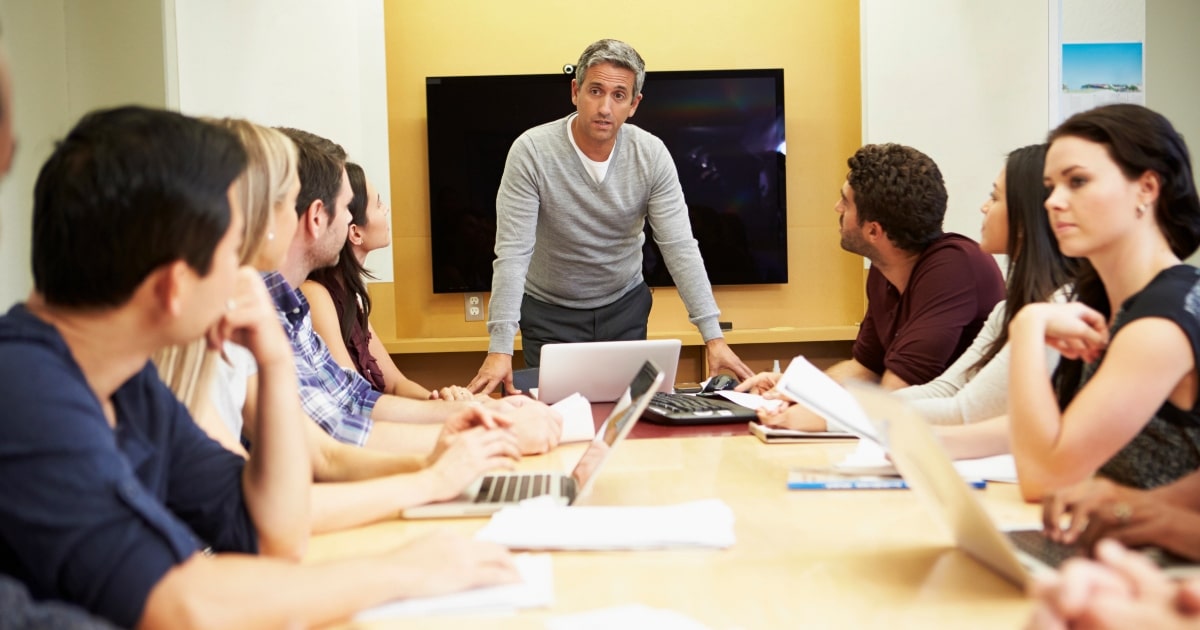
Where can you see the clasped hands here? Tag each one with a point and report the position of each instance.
(1077, 331)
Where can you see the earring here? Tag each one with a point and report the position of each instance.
(270, 236)
(1141, 210)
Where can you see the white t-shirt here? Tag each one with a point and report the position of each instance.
(229, 387)
(596, 169)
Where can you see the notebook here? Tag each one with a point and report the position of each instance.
(1016, 555)
(689, 409)
(492, 492)
(600, 370)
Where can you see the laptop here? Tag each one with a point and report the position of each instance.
(1017, 555)
(600, 370)
(490, 493)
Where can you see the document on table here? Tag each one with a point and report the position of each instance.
(705, 523)
(869, 459)
(752, 401)
(809, 386)
(535, 590)
(627, 616)
(578, 425)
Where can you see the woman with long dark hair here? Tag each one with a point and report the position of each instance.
(975, 387)
(341, 305)
(1123, 401)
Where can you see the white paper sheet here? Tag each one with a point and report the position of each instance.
(869, 459)
(705, 523)
(536, 589)
(745, 399)
(578, 425)
(809, 386)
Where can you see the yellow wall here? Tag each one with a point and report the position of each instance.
(817, 45)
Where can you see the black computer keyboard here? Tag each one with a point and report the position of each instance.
(684, 409)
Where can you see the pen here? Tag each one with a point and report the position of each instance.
(775, 367)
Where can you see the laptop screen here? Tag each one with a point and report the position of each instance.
(601, 370)
(618, 424)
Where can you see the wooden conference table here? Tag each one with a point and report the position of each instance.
(819, 559)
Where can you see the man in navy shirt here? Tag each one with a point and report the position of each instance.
(110, 497)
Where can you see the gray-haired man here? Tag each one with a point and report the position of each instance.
(569, 215)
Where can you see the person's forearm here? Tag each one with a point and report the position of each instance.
(409, 411)
(343, 505)
(405, 388)
(891, 381)
(342, 462)
(236, 591)
(1184, 492)
(1180, 535)
(851, 370)
(980, 439)
(1034, 422)
(277, 477)
(404, 439)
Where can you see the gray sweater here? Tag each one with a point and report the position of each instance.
(564, 239)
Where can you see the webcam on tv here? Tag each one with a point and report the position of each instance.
(568, 68)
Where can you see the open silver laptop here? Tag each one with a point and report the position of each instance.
(1016, 555)
(600, 370)
(492, 492)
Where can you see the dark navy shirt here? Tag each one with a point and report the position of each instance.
(96, 516)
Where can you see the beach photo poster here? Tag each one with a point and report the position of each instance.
(1100, 73)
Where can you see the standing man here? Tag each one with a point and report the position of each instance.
(574, 197)
(928, 291)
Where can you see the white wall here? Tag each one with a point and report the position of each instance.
(34, 34)
(1089, 21)
(114, 54)
(67, 57)
(1172, 83)
(316, 65)
(963, 82)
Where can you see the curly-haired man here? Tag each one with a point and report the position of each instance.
(928, 291)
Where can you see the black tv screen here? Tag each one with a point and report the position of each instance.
(724, 128)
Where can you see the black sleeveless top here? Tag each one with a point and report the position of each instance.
(1168, 447)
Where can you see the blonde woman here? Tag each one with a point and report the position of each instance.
(358, 485)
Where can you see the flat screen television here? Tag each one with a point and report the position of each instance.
(724, 128)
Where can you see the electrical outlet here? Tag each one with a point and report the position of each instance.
(473, 307)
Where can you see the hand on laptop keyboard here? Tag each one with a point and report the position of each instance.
(467, 456)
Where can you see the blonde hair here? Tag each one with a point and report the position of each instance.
(270, 168)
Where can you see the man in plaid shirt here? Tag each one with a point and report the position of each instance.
(340, 400)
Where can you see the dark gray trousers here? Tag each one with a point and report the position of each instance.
(543, 323)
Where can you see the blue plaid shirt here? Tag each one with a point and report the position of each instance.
(339, 399)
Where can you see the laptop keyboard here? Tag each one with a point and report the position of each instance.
(1034, 543)
(514, 488)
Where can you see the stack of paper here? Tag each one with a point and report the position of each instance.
(578, 425)
(536, 589)
(707, 523)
